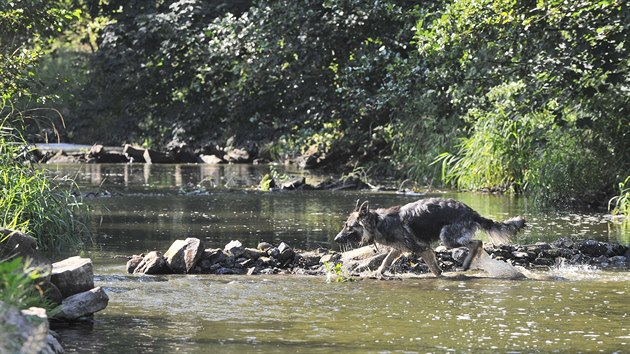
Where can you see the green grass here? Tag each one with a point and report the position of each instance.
(620, 204)
(35, 203)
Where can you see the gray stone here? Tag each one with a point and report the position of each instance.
(26, 331)
(364, 259)
(83, 304)
(51, 291)
(182, 256)
(308, 259)
(152, 263)
(593, 248)
(286, 253)
(73, 275)
(213, 255)
(253, 253)
(234, 248)
(264, 246)
(133, 262)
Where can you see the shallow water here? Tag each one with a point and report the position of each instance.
(152, 205)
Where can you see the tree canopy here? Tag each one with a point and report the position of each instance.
(526, 96)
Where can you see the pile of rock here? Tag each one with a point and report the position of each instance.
(189, 256)
(68, 284)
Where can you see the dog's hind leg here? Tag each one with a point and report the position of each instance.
(429, 258)
(389, 259)
(474, 250)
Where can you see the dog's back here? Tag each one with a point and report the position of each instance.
(426, 217)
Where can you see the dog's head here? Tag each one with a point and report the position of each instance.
(353, 229)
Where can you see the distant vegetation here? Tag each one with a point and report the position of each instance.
(526, 97)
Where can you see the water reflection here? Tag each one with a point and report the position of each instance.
(148, 211)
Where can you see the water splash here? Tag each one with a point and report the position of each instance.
(496, 268)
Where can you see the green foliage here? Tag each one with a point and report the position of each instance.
(266, 183)
(27, 26)
(522, 96)
(18, 285)
(541, 96)
(620, 204)
(335, 273)
(33, 203)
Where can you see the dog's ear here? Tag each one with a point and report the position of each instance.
(356, 207)
(363, 209)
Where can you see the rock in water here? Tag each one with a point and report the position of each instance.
(234, 248)
(133, 262)
(152, 263)
(73, 275)
(183, 255)
(83, 304)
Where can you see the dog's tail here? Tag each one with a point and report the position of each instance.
(502, 232)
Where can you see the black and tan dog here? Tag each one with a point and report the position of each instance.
(412, 228)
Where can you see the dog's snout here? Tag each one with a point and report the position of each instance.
(341, 237)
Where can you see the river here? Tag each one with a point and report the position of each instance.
(141, 208)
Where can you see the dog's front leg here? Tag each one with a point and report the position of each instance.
(391, 256)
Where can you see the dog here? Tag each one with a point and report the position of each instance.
(412, 228)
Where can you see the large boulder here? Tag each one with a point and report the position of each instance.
(73, 275)
(182, 256)
(83, 304)
(364, 259)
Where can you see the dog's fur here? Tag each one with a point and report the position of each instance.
(412, 228)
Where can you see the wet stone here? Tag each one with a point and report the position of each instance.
(593, 248)
(264, 246)
(133, 262)
(152, 263)
(234, 248)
